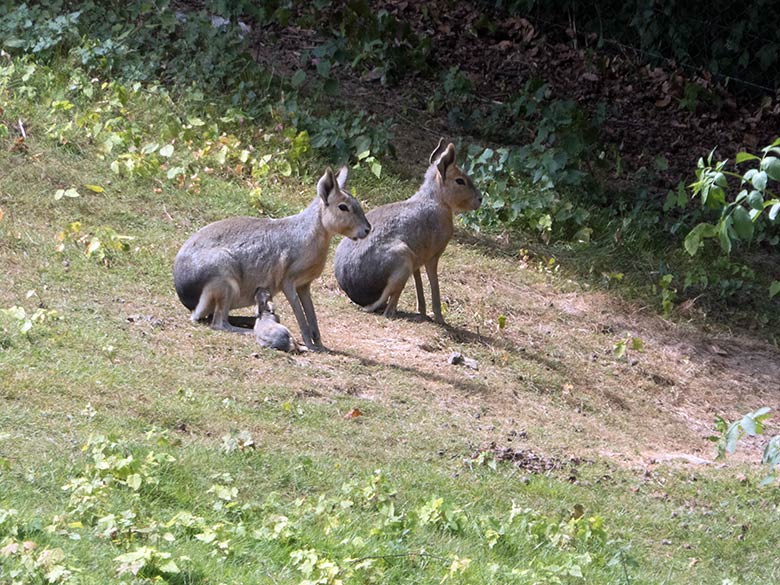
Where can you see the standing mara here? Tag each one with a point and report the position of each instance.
(406, 236)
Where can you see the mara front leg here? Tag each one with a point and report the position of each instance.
(292, 297)
(304, 293)
(431, 268)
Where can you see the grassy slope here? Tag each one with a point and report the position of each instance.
(124, 359)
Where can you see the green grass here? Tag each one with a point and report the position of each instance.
(121, 360)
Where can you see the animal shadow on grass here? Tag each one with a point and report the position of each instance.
(469, 387)
(456, 334)
(462, 335)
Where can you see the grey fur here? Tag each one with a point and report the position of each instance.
(405, 236)
(268, 331)
(221, 266)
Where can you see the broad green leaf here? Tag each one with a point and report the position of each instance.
(166, 150)
(94, 188)
(174, 172)
(619, 349)
(149, 148)
(749, 425)
(60, 193)
(771, 166)
(362, 144)
(759, 180)
(761, 414)
(743, 156)
(755, 200)
(170, 567)
(773, 211)
(298, 78)
(774, 288)
(222, 155)
(134, 481)
(733, 435)
(376, 169)
(285, 169)
(57, 574)
(501, 321)
(775, 143)
(323, 68)
(637, 344)
(696, 235)
(723, 235)
(742, 223)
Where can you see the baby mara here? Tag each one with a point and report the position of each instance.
(268, 331)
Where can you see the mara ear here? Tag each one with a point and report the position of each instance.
(436, 151)
(326, 184)
(342, 178)
(446, 160)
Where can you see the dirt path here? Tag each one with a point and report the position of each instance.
(550, 376)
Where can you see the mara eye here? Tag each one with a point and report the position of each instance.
(343, 207)
(460, 181)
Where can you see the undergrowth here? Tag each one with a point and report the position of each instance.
(538, 158)
(134, 506)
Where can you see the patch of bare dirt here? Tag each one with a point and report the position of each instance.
(551, 370)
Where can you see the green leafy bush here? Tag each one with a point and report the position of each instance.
(136, 40)
(510, 199)
(751, 216)
(750, 425)
(372, 41)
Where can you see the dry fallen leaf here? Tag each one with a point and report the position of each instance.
(354, 413)
(10, 549)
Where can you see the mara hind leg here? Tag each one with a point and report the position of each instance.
(216, 300)
(392, 291)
